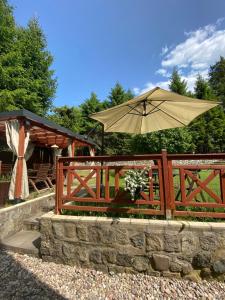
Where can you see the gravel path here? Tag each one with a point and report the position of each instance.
(24, 277)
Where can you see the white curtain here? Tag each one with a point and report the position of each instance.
(56, 152)
(70, 153)
(12, 137)
(70, 150)
(92, 153)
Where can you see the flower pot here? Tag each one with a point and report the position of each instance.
(4, 192)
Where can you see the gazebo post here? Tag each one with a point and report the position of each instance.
(19, 169)
(73, 146)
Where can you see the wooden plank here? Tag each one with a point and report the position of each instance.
(86, 179)
(69, 179)
(171, 201)
(57, 184)
(60, 183)
(112, 201)
(202, 185)
(182, 185)
(165, 180)
(107, 187)
(200, 204)
(199, 214)
(117, 179)
(83, 183)
(98, 184)
(222, 185)
(161, 186)
(113, 209)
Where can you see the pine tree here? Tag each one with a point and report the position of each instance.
(66, 116)
(177, 85)
(10, 59)
(38, 82)
(26, 80)
(117, 143)
(89, 126)
(208, 129)
(117, 95)
(217, 79)
(202, 89)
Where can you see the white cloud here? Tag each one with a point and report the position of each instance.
(163, 72)
(136, 90)
(201, 48)
(150, 85)
(164, 50)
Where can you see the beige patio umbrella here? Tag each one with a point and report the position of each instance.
(154, 110)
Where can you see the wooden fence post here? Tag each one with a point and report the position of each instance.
(57, 188)
(166, 185)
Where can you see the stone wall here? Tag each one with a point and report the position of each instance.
(11, 218)
(160, 248)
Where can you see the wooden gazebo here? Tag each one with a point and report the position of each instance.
(42, 133)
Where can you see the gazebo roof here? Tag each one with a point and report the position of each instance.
(43, 131)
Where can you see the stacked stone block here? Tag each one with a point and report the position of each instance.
(192, 250)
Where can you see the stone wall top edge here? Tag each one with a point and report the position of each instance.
(156, 224)
(24, 204)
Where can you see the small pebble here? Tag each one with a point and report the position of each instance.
(25, 277)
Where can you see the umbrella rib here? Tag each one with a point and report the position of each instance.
(152, 111)
(134, 108)
(168, 115)
(122, 116)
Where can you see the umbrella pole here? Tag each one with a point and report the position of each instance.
(102, 153)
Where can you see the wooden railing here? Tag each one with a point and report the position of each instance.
(173, 190)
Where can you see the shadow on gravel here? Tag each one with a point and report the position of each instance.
(17, 283)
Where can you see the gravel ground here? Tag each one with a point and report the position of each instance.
(24, 277)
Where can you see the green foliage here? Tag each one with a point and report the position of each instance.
(178, 140)
(69, 117)
(38, 79)
(117, 143)
(208, 130)
(177, 85)
(118, 95)
(7, 27)
(217, 79)
(202, 89)
(136, 181)
(25, 78)
(27, 81)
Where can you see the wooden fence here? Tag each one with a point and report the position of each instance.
(173, 189)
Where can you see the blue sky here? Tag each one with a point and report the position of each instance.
(96, 43)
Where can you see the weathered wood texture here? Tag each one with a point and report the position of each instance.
(173, 190)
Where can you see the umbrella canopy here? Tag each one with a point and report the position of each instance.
(155, 110)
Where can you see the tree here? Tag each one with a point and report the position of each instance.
(90, 127)
(90, 106)
(38, 82)
(217, 79)
(202, 89)
(208, 129)
(118, 95)
(26, 80)
(117, 143)
(177, 85)
(177, 140)
(10, 59)
(69, 117)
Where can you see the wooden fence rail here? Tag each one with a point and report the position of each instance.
(173, 190)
